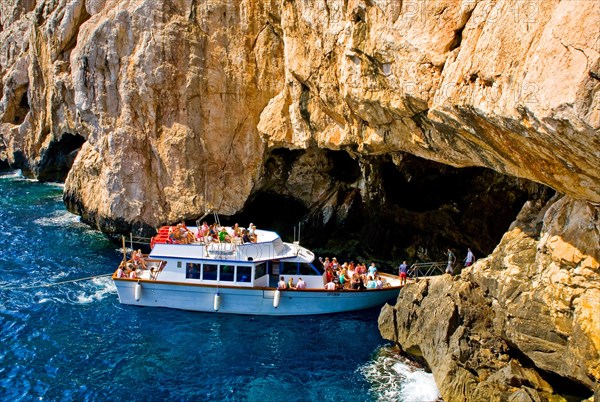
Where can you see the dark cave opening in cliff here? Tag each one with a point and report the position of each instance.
(58, 158)
(385, 208)
(18, 106)
(261, 209)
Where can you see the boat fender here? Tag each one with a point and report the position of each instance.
(138, 291)
(277, 298)
(217, 302)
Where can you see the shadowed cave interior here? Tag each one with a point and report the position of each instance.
(385, 208)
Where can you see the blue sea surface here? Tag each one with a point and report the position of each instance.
(65, 340)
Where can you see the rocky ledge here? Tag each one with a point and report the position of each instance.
(522, 324)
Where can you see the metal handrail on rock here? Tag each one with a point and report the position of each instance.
(424, 269)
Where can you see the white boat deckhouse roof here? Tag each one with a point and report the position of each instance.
(269, 247)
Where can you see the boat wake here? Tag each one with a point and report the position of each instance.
(100, 289)
(88, 291)
(395, 378)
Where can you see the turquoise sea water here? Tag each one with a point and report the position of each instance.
(73, 341)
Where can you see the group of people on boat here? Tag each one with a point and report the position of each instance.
(350, 275)
(214, 233)
(223, 234)
(133, 267)
(283, 285)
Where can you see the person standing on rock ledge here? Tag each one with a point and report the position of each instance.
(451, 261)
(470, 259)
(403, 268)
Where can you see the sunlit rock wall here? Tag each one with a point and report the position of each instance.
(532, 303)
(172, 98)
(510, 85)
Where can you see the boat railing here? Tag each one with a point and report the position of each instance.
(424, 269)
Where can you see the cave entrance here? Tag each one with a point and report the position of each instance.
(17, 107)
(58, 158)
(385, 208)
(271, 211)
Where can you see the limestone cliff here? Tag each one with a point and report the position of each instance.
(154, 111)
(519, 322)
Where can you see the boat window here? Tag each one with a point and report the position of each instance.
(243, 274)
(309, 269)
(178, 264)
(210, 272)
(288, 268)
(226, 273)
(260, 270)
(192, 270)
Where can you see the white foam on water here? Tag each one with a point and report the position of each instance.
(395, 378)
(52, 184)
(15, 174)
(419, 385)
(89, 291)
(58, 218)
(100, 287)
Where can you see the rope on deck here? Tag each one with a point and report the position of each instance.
(47, 285)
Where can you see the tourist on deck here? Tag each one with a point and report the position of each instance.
(329, 275)
(132, 274)
(173, 235)
(245, 237)
(372, 270)
(281, 285)
(357, 283)
(351, 268)
(403, 268)
(290, 283)
(330, 286)
(186, 234)
(202, 231)
(371, 284)
(120, 271)
(470, 259)
(252, 233)
(451, 261)
(344, 279)
(213, 234)
(301, 284)
(182, 231)
(224, 236)
(237, 231)
(138, 259)
(379, 283)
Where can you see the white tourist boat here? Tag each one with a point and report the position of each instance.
(241, 279)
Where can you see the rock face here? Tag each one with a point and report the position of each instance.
(155, 111)
(171, 98)
(506, 84)
(520, 320)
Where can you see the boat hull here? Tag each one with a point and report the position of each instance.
(254, 301)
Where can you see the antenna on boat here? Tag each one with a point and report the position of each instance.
(297, 241)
